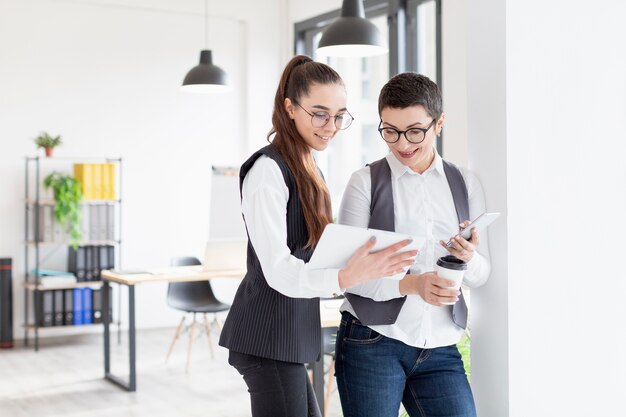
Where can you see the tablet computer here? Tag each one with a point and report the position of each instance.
(480, 223)
(339, 242)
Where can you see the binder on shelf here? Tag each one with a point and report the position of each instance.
(110, 169)
(38, 307)
(58, 306)
(82, 173)
(46, 223)
(111, 257)
(95, 262)
(96, 181)
(77, 301)
(106, 186)
(76, 263)
(96, 303)
(85, 227)
(44, 308)
(87, 305)
(110, 234)
(88, 263)
(104, 181)
(68, 307)
(102, 221)
(94, 228)
(104, 257)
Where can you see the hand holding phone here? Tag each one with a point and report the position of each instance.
(481, 222)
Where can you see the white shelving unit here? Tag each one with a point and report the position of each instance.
(34, 201)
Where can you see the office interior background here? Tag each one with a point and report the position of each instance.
(535, 103)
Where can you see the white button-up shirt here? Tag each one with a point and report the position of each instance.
(423, 206)
(264, 206)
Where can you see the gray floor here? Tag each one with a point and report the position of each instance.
(65, 378)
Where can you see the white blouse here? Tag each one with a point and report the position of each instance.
(264, 206)
(423, 206)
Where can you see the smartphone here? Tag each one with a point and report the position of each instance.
(481, 222)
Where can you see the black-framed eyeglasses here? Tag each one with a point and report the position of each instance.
(321, 118)
(413, 135)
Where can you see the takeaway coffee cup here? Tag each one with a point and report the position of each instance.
(452, 268)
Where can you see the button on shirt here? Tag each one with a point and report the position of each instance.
(423, 206)
(264, 206)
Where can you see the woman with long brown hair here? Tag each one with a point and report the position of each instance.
(273, 326)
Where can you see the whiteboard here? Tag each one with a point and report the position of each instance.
(225, 220)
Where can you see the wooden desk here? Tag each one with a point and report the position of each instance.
(175, 274)
(329, 312)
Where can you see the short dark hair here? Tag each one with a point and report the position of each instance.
(411, 89)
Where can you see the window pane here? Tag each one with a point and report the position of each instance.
(360, 143)
(426, 31)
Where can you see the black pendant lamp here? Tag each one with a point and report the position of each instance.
(205, 77)
(352, 35)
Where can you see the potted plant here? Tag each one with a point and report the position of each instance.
(44, 140)
(67, 198)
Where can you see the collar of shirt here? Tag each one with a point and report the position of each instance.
(398, 169)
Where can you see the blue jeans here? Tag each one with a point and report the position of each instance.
(376, 373)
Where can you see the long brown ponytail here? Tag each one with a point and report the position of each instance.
(298, 76)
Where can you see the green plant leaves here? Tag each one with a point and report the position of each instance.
(67, 197)
(44, 140)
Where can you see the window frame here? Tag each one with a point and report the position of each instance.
(403, 42)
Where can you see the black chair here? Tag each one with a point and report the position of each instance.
(193, 297)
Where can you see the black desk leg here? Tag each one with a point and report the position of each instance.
(106, 318)
(131, 385)
(318, 378)
(131, 338)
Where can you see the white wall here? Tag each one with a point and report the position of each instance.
(546, 108)
(567, 196)
(483, 98)
(105, 75)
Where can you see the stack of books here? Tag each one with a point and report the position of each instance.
(49, 277)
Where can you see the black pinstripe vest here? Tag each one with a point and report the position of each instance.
(262, 321)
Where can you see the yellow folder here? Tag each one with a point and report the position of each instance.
(96, 180)
(112, 183)
(83, 174)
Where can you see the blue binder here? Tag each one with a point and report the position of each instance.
(87, 306)
(78, 306)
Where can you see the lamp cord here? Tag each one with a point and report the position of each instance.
(206, 24)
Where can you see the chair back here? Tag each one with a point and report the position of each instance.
(188, 295)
